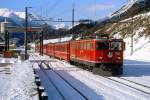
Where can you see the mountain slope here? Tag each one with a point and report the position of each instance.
(17, 18)
(126, 7)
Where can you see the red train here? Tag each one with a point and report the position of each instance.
(102, 56)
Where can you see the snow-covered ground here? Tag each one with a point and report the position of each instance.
(96, 87)
(17, 80)
(136, 68)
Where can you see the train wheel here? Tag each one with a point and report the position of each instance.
(90, 68)
(71, 62)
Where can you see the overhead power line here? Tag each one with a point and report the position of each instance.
(54, 5)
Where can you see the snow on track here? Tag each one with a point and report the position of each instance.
(103, 86)
(132, 84)
(66, 91)
(137, 71)
(50, 89)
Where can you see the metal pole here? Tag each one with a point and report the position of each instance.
(6, 40)
(42, 41)
(73, 15)
(73, 19)
(40, 45)
(26, 29)
(132, 34)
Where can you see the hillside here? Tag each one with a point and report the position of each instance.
(129, 26)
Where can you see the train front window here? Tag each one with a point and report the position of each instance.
(102, 45)
(116, 45)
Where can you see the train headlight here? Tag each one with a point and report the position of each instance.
(100, 58)
(110, 55)
(118, 58)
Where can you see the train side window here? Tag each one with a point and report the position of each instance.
(84, 46)
(81, 45)
(66, 48)
(76, 45)
(73, 45)
(89, 46)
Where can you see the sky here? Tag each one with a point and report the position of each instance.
(62, 9)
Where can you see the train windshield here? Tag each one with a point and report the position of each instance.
(102, 45)
(116, 45)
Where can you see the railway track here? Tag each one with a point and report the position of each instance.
(134, 85)
(140, 87)
(127, 83)
(69, 83)
(62, 78)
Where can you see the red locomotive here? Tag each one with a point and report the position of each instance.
(102, 56)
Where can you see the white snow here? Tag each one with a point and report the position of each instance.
(17, 80)
(20, 14)
(16, 16)
(61, 26)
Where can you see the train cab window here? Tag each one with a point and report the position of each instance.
(116, 45)
(102, 45)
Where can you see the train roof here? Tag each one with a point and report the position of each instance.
(99, 40)
(65, 42)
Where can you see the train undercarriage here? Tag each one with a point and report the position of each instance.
(108, 69)
(104, 69)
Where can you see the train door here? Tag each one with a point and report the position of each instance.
(90, 56)
(73, 50)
